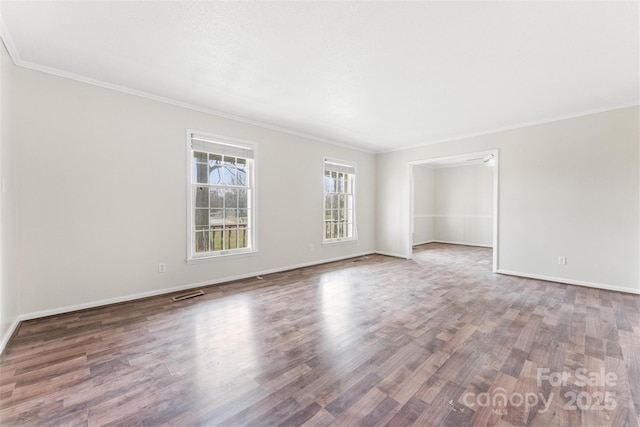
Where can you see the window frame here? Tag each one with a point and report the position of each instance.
(225, 143)
(345, 166)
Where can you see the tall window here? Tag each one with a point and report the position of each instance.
(221, 197)
(339, 200)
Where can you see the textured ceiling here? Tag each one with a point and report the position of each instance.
(374, 75)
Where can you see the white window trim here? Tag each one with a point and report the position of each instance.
(192, 258)
(348, 165)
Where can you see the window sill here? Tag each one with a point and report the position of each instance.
(339, 241)
(221, 257)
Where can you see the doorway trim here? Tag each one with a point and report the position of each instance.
(462, 158)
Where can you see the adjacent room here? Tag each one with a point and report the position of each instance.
(319, 213)
(454, 200)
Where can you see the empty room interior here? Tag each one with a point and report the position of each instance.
(320, 213)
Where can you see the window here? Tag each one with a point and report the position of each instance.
(339, 200)
(221, 208)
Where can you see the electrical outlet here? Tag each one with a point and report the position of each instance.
(161, 267)
(562, 260)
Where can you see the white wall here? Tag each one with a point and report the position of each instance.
(96, 197)
(102, 187)
(423, 205)
(569, 187)
(9, 308)
(463, 205)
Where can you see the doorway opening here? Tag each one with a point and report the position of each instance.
(454, 199)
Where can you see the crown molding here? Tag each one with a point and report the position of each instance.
(18, 61)
(549, 119)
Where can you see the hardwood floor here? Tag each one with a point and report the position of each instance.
(434, 341)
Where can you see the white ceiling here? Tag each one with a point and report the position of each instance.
(374, 75)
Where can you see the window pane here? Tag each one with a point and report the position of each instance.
(327, 230)
(201, 197)
(243, 242)
(243, 216)
(341, 200)
(200, 157)
(340, 214)
(201, 217)
(327, 201)
(216, 199)
(202, 241)
(327, 214)
(243, 198)
(327, 181)
(231, 198)
(215, 168)
(341, 230)
(241, 173)
(340, 183)
(234, 238)
(215, 159)
(215, 174)
(216, 239)
(240, 237)
(231, 216)
(230, 238)
(200, 174)
(216, 217)
(229, 174)
(334, 201)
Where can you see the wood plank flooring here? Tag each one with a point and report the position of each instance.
(434, 341)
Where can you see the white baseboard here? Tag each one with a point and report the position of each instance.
(569, 281)
(99, 303)
(423, 243)
(7, 336)
(461, 243)
(34, 315)
(391, 254)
